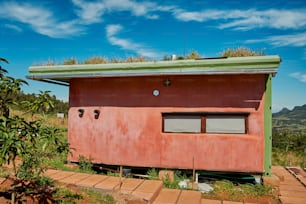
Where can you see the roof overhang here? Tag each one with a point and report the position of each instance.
(61, 74)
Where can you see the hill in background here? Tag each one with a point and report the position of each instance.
(293, 120)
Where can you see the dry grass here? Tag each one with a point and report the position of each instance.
(95, 60)
(241, 52)
(290, 158)
(70, 61)
(48, 120)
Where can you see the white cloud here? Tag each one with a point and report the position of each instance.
(13, 27)
(39, 19)
(247, 19)
(43, 21)
(301, 77)
(92, 12)
(296, 40)
(199, 16)
(278, 19)
(89, 12)
(140, 49)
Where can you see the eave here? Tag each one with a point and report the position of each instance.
(61, 74)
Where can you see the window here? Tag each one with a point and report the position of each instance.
(225, 124)
(220, 123)
(182, 123)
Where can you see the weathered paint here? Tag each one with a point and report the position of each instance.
(129, 128)
(268, 125)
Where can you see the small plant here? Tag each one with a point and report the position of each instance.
(176, 179)
(153, 174)
(193, 55)
(70, 61)
(4, 172)
(65, 195)
(98, 197)
(85, 164)
(241, 52)
(108, 199)
(135, 59)
(226, 190)
(96, 60)
(112, 173)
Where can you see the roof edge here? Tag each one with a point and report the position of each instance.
(234, 65)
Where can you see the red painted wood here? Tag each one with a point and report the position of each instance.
(129, 128)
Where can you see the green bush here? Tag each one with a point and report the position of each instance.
(85, 164)
(153, 174)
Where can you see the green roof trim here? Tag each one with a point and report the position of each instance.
(234, 65)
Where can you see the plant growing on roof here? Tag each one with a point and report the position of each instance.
(70, 61)
(241, 52)
(193, 55)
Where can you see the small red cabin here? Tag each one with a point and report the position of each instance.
(207, 114)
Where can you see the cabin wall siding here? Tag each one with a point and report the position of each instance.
(129, 128)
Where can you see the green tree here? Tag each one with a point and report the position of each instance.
(9, 86)
(25, 141)
(42, 103)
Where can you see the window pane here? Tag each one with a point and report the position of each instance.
(225, 124)
(179, 123)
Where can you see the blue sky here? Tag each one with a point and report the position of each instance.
(35, 31)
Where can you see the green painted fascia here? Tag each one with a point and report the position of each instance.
(258, 64)
(268, 126)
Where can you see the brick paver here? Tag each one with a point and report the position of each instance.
(90, 181)
(75, 178)
(148, 190)
(295, 194)
(50, 172)
(110, 183)
(2, 180)
(187, 197)
(291, 190)
(299, 173)
(292, 200)
(130, 184)
(209, 201)
(167, 196)
(231, 202)
(61, 175)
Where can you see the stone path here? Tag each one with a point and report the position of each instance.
(291, 191)
(151, 191)
(292, 188)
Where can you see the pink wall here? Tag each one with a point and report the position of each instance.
(129, 129)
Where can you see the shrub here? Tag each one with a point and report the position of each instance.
(96, 60)
(70, 61)
(241, 52)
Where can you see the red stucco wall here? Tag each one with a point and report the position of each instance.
(129, 129)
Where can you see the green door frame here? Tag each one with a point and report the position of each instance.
(268, 126)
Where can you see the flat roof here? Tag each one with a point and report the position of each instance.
(61, 74)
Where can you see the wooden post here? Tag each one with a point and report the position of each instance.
(193, 172)
(120, 175)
